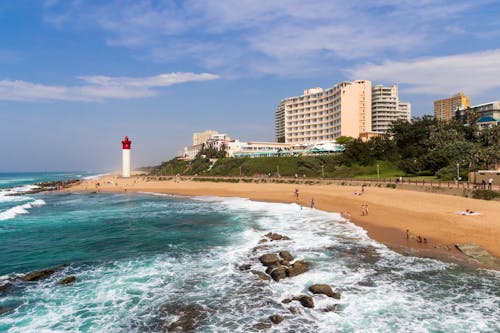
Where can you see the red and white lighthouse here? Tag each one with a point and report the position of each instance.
(126, 143)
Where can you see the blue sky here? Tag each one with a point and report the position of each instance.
(76, 76)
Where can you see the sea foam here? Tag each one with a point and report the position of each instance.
(20, 209)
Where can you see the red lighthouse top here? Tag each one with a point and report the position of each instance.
(126, 143)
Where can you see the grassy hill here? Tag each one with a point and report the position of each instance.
(329, 166)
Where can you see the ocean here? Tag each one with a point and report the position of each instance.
(144, 261)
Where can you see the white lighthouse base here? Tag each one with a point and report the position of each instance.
(126, 163)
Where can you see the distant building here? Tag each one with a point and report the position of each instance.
(202, 137)
(324, 115)
(485, 115)
(386, 108)
(444, 108)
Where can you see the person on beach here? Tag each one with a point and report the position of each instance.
(490, 183)
(483, 185)
(312, 203)
(366, 210)
(407, 233)
(296, 194)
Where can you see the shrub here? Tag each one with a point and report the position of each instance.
(485, 194)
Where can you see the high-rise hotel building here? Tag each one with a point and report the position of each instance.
(386, 108)
(444, 109)
(321, 115)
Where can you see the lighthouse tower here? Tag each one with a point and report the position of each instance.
(126, 143)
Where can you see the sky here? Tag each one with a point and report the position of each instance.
(77, 76)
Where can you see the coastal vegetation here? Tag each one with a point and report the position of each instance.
(426, 147)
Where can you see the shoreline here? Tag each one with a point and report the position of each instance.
(391, 211)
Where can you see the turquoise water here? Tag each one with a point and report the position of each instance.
(139, 257)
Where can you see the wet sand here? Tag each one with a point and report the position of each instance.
(391, 211)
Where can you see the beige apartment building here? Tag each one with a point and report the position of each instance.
(444, 108)
(386, 108)
(324, 115)
(202, 137)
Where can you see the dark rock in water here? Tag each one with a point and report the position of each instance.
(293, 310)
(279, 273)
(276, 319)
(262, 326)
(286, 301)
(324, 289)
(269, 259)
(331, 308)
(262, 275)
(188, 317)
(367, 283)
(263, 241)
(5, 286)
(286, 255)
(45, 273)
(298, 267)
(305, 300)
(48, 186)
(68, 280)
(275, 237)
(5, 309)
(271, 268)
(244, 267)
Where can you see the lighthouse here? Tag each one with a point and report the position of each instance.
(126, 143)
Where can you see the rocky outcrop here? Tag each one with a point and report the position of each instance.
(188, 317)
(331, 308)
(305, 300)
(279, 273)
(269, 259)
(5, 286)
(262, 326)
(286, 256)
(298, 267)
(276, 318)
(276, 237)
(324, 289)
(43, 274)
(47, 186)
(67, 280)
(261, 275)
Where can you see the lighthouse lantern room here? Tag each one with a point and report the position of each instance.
(126, 143)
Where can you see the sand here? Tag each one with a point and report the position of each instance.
(391, 211)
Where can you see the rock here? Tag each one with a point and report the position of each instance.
(275, 237)
(262, 326)
(188, 317)
(5, 309)
(367, 283)
(286, 255)
(276, 319)
(279, 273)
(269, 259)
(305, 300)
(324, 289)
(68, 280)
(244, 267)
(331, 308)
(271, 268)
(45, 273)
(293, 310)
(263, 241)
(5, 286)
(298, 267)
(284, 263)
(286, 301)
(261, 275)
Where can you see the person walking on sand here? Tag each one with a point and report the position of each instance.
(296, 194)
(362, 210)
(365, 210)
(312, 203)
(490, 183)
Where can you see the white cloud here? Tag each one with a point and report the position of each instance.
(248, 36)
(97, 88)
(473, 73)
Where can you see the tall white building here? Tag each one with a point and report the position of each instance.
(386, 108)
(323, 115)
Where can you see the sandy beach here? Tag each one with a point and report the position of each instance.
(391, 212)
